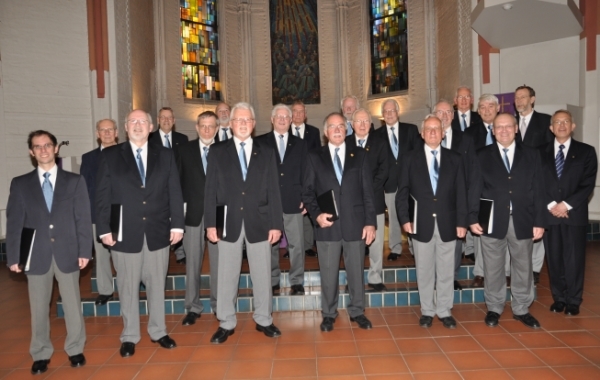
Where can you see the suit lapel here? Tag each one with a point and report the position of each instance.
(327, 161)
(128, 157)
(233, 155)
(422, 167)
(36, 189)
(570, 156)
(197, 157)
(254, 156)
(290, 144)
(151, 161)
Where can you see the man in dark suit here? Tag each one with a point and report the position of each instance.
(242, 175)
(344, 171)
(534, 131)
(55, 204)
(510, 175)
(291, 156)
(106, 132)
(434, 178)
(569, 168)
(377, 156)
(224, 128)
(348, 105)
(458, 142)
(312, 137)
(192, 162)
(400, 138)
(463, 116)
(142, 178)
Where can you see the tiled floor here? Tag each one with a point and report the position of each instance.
(396, 348)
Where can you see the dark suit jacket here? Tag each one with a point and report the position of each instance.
(177, 139)
(256, 201)
(448, 205)
(65, 233)
(377, 156)
(290, 171)
(523, 186)
(354, 197)
(475, 119)
(478, 133)
(408, 139)
(575, 184)
(463, 143)
(89, 168)
(151, 210)
(538, 131)
(193, 180)
(312, 136)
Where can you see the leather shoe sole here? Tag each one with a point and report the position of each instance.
(378, 287)
(572, 310)
(491, 319)
(297, 290)
(528, 320)
(557, 307)
(77, 360)
(190, 318)
(39, 366)
(477, 282)
(448, 322)
(127, 349)
(102, 299)
(425, 321)
(166, 342)
(271, 331)
(221, 335)
(327, 324)
(362, 322)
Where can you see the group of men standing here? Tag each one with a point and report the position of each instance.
(431, 180)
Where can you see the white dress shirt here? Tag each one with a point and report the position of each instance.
(567, 144)
(52, 177)
(143, 154)
(467, 118)
(363, 138)
(429, 155)
(300, 131)
(389, 132)
(162, 137)
(247, 148)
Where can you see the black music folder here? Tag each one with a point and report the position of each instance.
(26, 248)
(327, 204)
(412, 213)
(486, 214)
(116, 222)
(221, 221)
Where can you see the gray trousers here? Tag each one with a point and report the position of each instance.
(40, 295)
(194, 244)
(376, 253)
(149, 267)
(309, 236)
(394, 234)
(104, 276)
(230, 264)
(538, 255)
(435, 275)
(329, 266)
(294, 233)
(494, 256)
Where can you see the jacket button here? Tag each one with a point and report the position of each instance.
(510, 191)
(243, 193)
(509, 177)
(52, 240)
(51, 226)
(144, 202)
(241, 208)
(435, 199)
(141, 187)
(144, 218)
(434, 215)
(282, 174)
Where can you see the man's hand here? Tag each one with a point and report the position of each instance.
(274, 236)
(322, 220)
(560, 210)
(461, 232)
(538, 232)
(83, 262)
(108, 240)
(211, 234)
(175, 237)
(15, 268)
(476, 229)
(368, 234)
(302, 208)
(407, 227)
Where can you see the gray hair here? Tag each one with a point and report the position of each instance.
(427, 117)
(393, 101)
(243, 106)
(349, 97)
(278, 107)
(114, 123)
(488, 98)
(147, 115)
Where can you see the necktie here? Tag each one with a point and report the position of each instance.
(434, 173)
(47, 190)
(348, 128)
(444, 144)
(204, 157)
(523, 128)
(506, 162)
(463, 125)
(361, 142)
(224, 134)
(339, 170)
(297, 134)
(489, 140)
(281, 147)
(394, 144)
(141, 166)
(243, 161)
(560, 161)
(167, 142)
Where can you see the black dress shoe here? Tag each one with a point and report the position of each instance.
(221, 335)
(448, 322)
(39, 366)
(425, 321)
(276, 288)
(77, 360)
(362, 322)
(507, 281)
(470, 257)
(102, 299)
(181, 261)
(310, 252)
(457, 285)
(297, 290)
(190, 318)
(477, 282)
(366, 251)
(271, 331)
(393, 256)
(528, 320)
(557, 307)
(286, 255)
(378, 287)
(536, 277)
(127, 349)
(166, 342)
(572, 310)
(327, 324)
(491, 319)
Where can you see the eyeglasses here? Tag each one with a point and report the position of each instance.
(463, 97)
(389, 112)
(442, 112)
(362, 122)
(46, 146)
(242, 121)
(137, 121)
(562, 122)
(282, 117)
(207, 126)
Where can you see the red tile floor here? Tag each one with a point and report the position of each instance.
(396, 347)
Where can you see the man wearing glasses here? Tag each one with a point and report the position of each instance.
(242, 176)
(106, 131)
(140, 182)
(224, 126)
(344, 171)
(463, 116)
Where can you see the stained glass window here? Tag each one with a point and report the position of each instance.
(200, 50)
(389, 59)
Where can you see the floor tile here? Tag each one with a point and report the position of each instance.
(540, 339)
(428, 363)
(206, 371)
(578, 373)
(417, 346)
(458, 343)
(294, 368)
(174, 355)
(117, 372)
(496, 374)
(437, 376)
(162, 371)
(391, 364)
(335, 349)
(345, 366)
(498, 342)
(295, 351)
(516, 358)
(253, 352)
(377, 347)
(258, 369)
(533, 373)
(561, 356)
(472, 361)
(578, 338)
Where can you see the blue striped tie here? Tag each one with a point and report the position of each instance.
(506, 162)
(141, 166)
(204, 158)
(464, 122)
(435, 171)
(47, 190)
(394, 144)
(243, 162)
(560, 161)
(339, 170)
